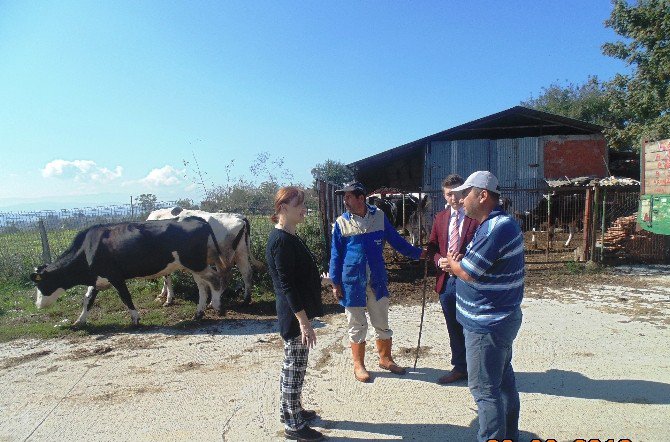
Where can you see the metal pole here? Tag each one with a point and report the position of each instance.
(403, 213)
(603, 226)
(546, 253)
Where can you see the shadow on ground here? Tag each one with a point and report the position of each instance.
(561, 383)
(572, 384)
(421, 432)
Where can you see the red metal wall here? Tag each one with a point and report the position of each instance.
(575, 158)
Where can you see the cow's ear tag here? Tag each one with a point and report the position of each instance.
(35, 277)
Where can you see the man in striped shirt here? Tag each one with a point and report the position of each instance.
(489, 291)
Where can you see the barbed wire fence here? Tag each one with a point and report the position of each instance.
(29, 239)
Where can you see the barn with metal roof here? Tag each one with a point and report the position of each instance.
(523, 147)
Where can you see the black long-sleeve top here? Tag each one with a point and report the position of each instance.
(295, 278)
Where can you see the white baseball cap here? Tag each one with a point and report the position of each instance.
(482, 179)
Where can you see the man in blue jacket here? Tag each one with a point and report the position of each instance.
(359, 278)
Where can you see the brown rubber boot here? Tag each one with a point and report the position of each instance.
(358, 354)
(385, 360)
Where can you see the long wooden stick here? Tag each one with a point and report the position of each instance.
(425, 282)
(423, 308)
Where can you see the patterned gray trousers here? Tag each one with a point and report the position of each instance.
(290, 383)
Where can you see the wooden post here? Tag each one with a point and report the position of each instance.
(420, 215)
(333, 209)
(593, 224)
(323, 218)
(603, 226)
(588, 220)
(46, 251)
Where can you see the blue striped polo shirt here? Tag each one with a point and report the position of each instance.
(495, 260)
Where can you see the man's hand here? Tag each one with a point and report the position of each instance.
(337, 291)
(443, 263)
(454, 257)
(424, 253)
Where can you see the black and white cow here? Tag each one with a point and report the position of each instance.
(407, 219)
(233, 234)
(109, 254)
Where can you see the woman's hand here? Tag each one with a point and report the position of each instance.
(307, 334)
(325, 279)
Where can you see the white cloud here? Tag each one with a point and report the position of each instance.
(81, 171)
(165, 176)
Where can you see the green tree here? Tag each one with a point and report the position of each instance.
(586, 102)
(186, 203)
(147, 202)
(333, 171)
(640, 100)
(242, 197)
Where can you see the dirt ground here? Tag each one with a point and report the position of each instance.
(592, 361)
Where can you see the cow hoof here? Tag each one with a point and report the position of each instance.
(78, 324)
(246, 301)
(167, 303)
(158, 299)
(199, 315)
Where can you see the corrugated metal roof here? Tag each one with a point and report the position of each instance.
(516, 122)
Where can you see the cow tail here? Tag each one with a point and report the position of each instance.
(247, 239)
(216, 245)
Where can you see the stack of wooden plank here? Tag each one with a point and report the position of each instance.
(622, 242)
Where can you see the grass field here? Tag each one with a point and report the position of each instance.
(19, 318)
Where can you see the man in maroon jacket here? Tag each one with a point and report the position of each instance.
(452, 230)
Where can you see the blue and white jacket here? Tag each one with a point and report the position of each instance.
(355, 247)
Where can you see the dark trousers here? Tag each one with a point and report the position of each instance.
(455, 329)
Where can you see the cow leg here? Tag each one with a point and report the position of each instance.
(169, 291)
(244, 266)
(202, 297)
(208, 282)
(212, 280)
(163, 293)
(571, 230)
(124, 294)
(89, 299)
(533, 240)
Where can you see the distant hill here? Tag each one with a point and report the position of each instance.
(61, 202)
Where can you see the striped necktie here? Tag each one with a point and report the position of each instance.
(453, 232)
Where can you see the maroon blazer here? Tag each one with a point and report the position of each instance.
(439, 241)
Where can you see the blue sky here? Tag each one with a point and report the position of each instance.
(103, 100)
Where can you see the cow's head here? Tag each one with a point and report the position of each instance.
(48, 287)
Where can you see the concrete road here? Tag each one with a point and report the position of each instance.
(587, 367)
